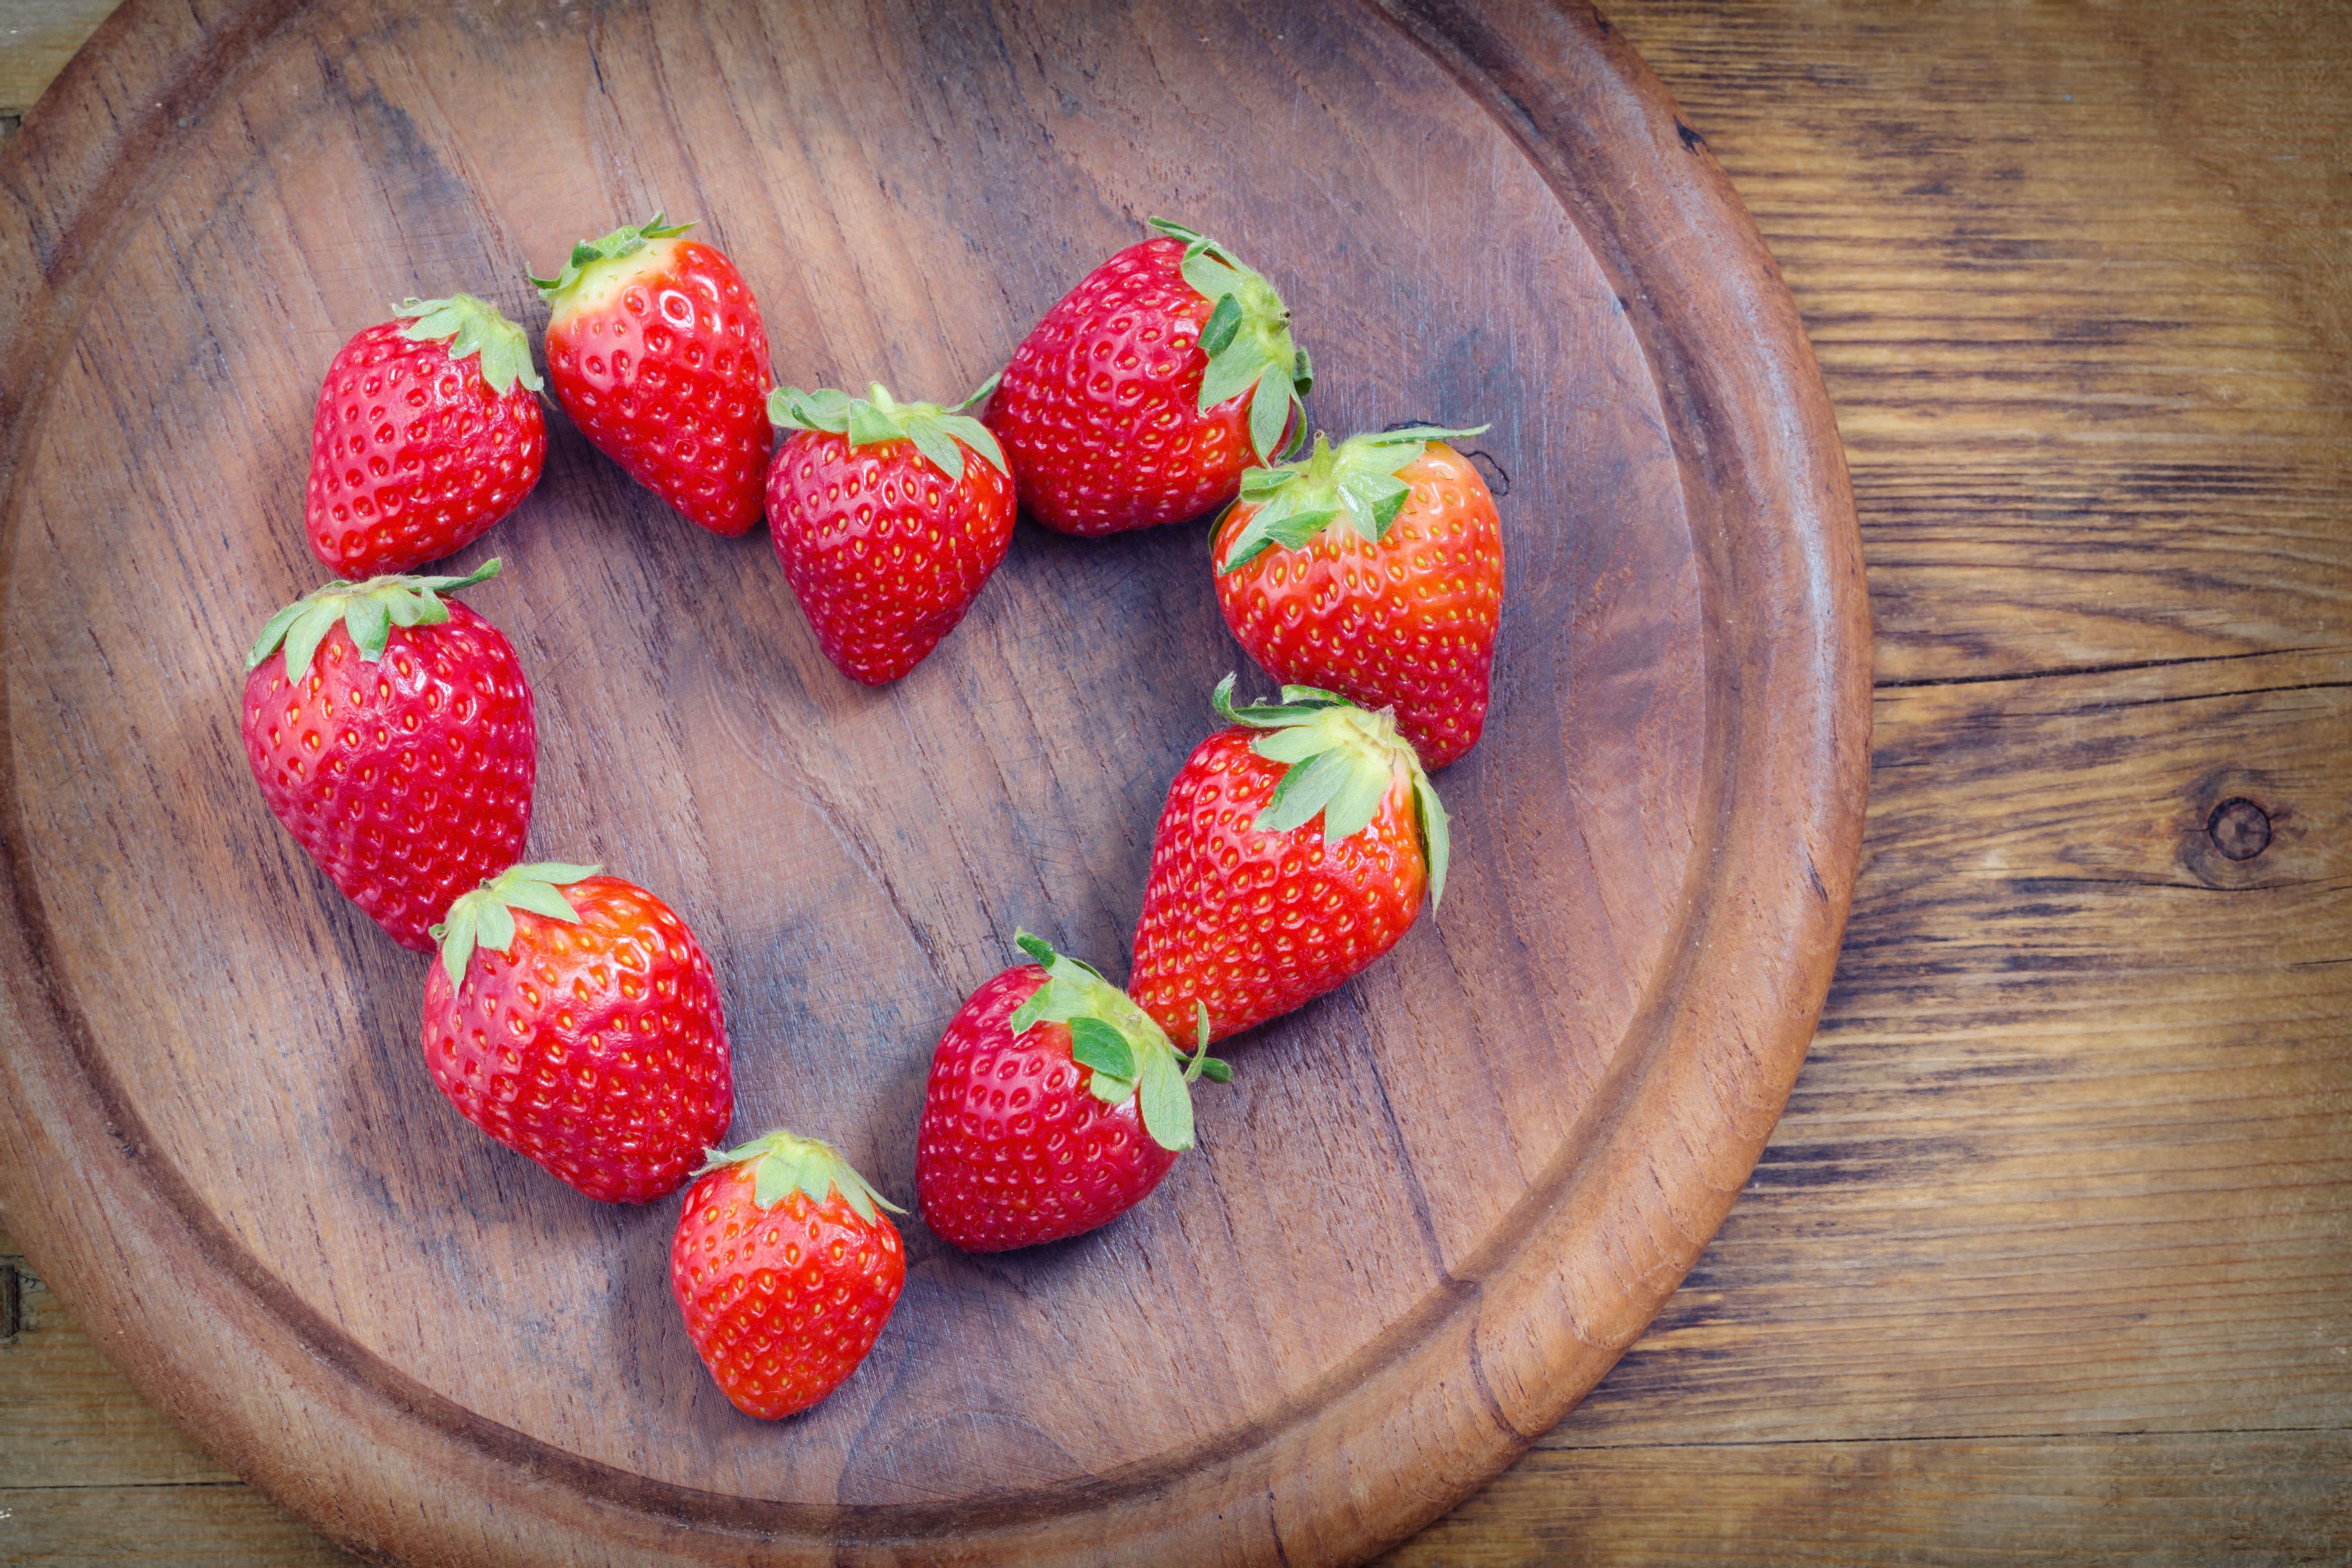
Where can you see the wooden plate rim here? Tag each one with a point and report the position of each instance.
(1765, 483)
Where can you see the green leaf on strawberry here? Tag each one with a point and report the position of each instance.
(626, 240)
(783, 1164)
(1125, 1053)
(485, 917)
(1165, 1097)
(939, 434)
(1355, 481)
(471, 326)
(368, 612)
(1102, 1048)
(1339, 760)
(1247, 340)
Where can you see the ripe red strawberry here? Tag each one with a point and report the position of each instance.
(394, 740)
(785, 1272)
(1375, 570)
(1293, 851)
(574, 1018)
(656, 352)
(1053, 1106)
(427, 434)
(1144, 393)
(884, 530)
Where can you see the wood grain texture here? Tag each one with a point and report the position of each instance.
(265, 1214)
(2238, 1498)
(2068, 1155)
(36, 38)
(2051, 1257)
(72, 1423)
(89, 1472)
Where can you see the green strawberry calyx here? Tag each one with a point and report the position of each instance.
(368, 610)
(471, 326)
(1126, 1054)
(1247, 340)
(1340, 759)
(626, 240)
(1354, 483)
(485, 917)
(784, 1163)
(939, 434)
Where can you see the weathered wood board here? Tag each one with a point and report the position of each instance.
(219, 1140)
(2088, 252)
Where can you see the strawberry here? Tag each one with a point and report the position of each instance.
(785, 1270)
(574, 1019)
(1143, 395)
(1293, 851)
(656, 352)
(1373, 568)
(884, 530)
(427, 434)
(394, 737)
(1053, 1106)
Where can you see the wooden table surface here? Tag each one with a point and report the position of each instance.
(2051, 1255)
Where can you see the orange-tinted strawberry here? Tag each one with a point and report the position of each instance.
(1144, 393)
(655, 349)
(1373, 568)
(573, 1018)
(1293, 851)
(1055, 1105)
(887, 519)
(427, 434)
(393, 737)
(785, 1270)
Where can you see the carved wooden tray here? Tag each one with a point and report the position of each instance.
(1434, 1206)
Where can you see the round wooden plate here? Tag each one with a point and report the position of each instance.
(1433, 1206)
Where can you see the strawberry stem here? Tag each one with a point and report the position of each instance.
(1246, 339)
(1354, 484)
(1126, 1055)
(1339, 760)
(485, 917)
(471, 326)
(368, 610)
(626, 240)
(941, 434)
(784, 1163)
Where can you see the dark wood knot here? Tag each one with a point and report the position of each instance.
(2240, 829)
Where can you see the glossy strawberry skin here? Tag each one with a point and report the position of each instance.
(408, 780)
(1014, 1149)
(884, 554)
(1098, 410)
(781, 1303)
(597, 1049)
(413, 457)
(1255, 924)
(1407, 623)
(669, 378)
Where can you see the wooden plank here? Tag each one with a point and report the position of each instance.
(2073, 1124)
(2069, 1154)
(68, 1418)
(201, 1523)
(36, 38)
(2077, 282)
(92, 1473)
(2201, 1498)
